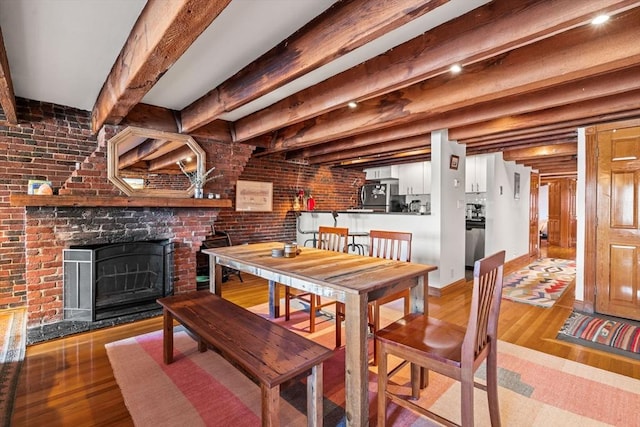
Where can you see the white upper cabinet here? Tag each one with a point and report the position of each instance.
(476, 174)
(382, 172)
(414, 178)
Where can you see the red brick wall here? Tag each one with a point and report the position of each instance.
(48, 143)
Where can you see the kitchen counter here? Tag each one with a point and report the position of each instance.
(423, 227)
(366, 211)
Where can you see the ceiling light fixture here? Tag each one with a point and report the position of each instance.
(352, 104)
(455, 68)
(600, 19)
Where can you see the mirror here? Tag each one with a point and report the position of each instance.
(144, 162)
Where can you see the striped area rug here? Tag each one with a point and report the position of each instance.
(540, 283)
(603, 332)
(202, 389)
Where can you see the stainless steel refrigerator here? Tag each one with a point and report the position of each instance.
(375, 196)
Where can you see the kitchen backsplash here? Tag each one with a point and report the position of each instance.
(477, 198)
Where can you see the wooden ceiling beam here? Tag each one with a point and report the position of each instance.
(388, 159)
(571, 56)
(139, 152)
(341, 29)
(499, 110)
(7, 96)
(543, 151)
(522, 134)
(483, 33)
(523, 139)
(380, 149)
(163, 32)
(621, 106)
(531, 135)
(170, 159)
(417, 128)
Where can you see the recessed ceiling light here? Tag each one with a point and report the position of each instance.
(600, 19)
(352, 104)
(455, 68)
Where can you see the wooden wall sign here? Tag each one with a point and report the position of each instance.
(254, 196)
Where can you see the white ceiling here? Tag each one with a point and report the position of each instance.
(61, 51)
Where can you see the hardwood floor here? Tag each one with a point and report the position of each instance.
(69, 381)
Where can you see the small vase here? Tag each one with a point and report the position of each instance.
(198, 193)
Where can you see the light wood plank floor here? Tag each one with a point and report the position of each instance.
(69, 381)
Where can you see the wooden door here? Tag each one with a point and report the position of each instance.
(618, 228)
(555, 212)
(534, 226)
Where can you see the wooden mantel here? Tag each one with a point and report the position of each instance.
(133, 202)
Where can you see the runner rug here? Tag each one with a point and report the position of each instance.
(604, 333)
(202, 389)
(13, 333)
(540, 283)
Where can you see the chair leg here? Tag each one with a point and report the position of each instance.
(382, 384)
(287, 300)
(492, 386)
(466, 388)
(313, 306)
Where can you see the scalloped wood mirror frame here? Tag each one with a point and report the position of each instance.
(143, 153)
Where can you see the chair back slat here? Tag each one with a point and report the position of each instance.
(393, 245)
(333, 238)
(485, 304)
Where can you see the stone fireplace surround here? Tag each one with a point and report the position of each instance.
(52, 229)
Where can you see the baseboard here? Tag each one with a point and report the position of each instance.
(509, 267)
(438, 292)
(517, 263)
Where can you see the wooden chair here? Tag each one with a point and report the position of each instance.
(394, 245)
(331, 239)
(449, 349)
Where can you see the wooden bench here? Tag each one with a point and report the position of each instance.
(268, 353)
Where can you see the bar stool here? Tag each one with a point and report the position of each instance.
(314, 239)
(355, 245)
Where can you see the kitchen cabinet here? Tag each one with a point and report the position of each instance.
(476, 174)
(382, 172)
(414, 178)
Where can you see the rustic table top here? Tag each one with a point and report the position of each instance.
(348, 273)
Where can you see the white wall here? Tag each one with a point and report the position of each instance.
(447, 208)
(507, 218)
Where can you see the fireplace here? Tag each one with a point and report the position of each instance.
(112, 280)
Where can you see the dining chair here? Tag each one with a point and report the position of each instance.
(395, 245)
(448, 349)
(331, 239)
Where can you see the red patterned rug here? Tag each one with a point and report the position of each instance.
(203, 389)
(602, 332)
(540, 283)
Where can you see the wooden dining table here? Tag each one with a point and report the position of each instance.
(349, 278)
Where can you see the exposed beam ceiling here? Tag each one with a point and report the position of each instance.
(533, 71)
(7, 97)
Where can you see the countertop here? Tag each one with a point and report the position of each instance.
(364, 211)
